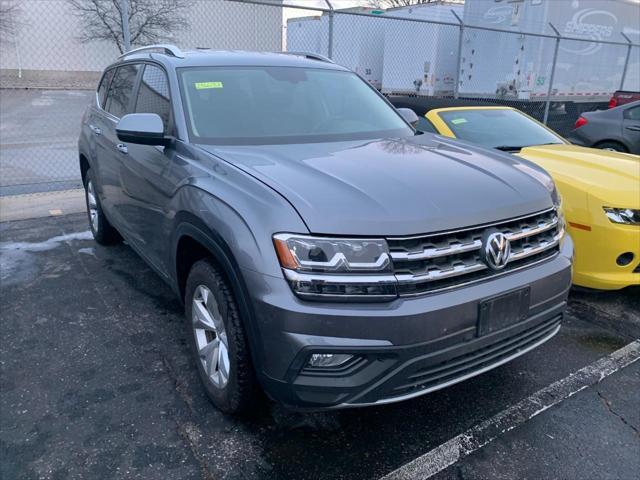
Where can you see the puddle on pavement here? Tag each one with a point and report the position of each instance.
(17, 259)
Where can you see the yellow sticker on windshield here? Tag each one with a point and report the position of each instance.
(206, 85)
(458, 121)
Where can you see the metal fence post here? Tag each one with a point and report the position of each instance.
(626, 61)
(456, 86)
(16, 43)
(330, 46)
(553, 72)
(126, 34)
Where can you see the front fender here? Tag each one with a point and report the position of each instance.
(241, 212)
(192, 226)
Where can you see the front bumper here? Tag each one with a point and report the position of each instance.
(404, 348)
(597, 252)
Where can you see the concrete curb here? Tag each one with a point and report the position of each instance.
(22, 207)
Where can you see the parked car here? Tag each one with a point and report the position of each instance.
(622, 97)
(616, 129)
(600, 190)
(323, 248)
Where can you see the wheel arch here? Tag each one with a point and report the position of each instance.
(84, 166)
(193, 240)
(612, 140)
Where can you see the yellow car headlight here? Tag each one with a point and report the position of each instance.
(627, 216)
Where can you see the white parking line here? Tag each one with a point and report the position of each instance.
(477, 437)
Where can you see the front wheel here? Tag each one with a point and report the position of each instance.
(103, 232)
(218, 340)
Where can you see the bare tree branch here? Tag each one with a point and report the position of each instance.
(9, 10)
(150, 21)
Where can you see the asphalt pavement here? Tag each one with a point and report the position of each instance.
(39, 132)
(96, 381)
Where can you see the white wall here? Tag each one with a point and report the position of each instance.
(47, 32)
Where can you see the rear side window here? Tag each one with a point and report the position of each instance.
(121, 90)
(104, 85)
(632, 113)
(153, 94)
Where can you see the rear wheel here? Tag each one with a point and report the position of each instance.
(218, 340)
(612, 146)
(103, 232)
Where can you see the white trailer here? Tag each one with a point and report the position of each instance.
(358, 41)
(508, 65)
(305, 34)
(395, 56)
(421, 58)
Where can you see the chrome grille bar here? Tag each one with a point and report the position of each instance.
(440, 274)
(457, 248)
(530, 251)
(529, 232)
(434, 252)
(421, 262)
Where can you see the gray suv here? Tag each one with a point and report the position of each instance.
(324, 249)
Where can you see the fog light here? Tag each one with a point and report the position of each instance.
(625, 259)
(327, 360)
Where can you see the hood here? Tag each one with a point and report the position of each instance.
(610, 176)
(389, 187)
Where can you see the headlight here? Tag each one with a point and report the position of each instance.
(627, 216)
(332, 255)
(336, 268)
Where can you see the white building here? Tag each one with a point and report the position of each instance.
(45, 40)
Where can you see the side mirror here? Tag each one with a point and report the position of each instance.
(410, 116)
(142, 128)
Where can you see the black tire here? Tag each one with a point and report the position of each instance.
(612, 145)
(241, 391)
(103, 232)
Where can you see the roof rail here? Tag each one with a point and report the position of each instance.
(311, 55)
(166, 48)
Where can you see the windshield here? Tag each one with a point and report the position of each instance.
(270, 105)
(500, 128)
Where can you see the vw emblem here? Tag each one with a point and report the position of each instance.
(496, 249)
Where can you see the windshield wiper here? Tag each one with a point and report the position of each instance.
(509, 148)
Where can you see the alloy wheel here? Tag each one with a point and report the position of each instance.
(210, 336)
(93, 206)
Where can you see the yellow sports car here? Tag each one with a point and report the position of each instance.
(600, 189)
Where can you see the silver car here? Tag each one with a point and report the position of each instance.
(325, 250)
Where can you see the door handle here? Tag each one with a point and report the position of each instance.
(122, 148)
(95, 130)
(634, 128)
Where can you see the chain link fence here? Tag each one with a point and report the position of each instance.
(430, 51)
(444, 49)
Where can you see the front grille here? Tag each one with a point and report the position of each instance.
(439, 261)
(431, 376)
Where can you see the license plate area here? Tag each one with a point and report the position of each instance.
(503, 310)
